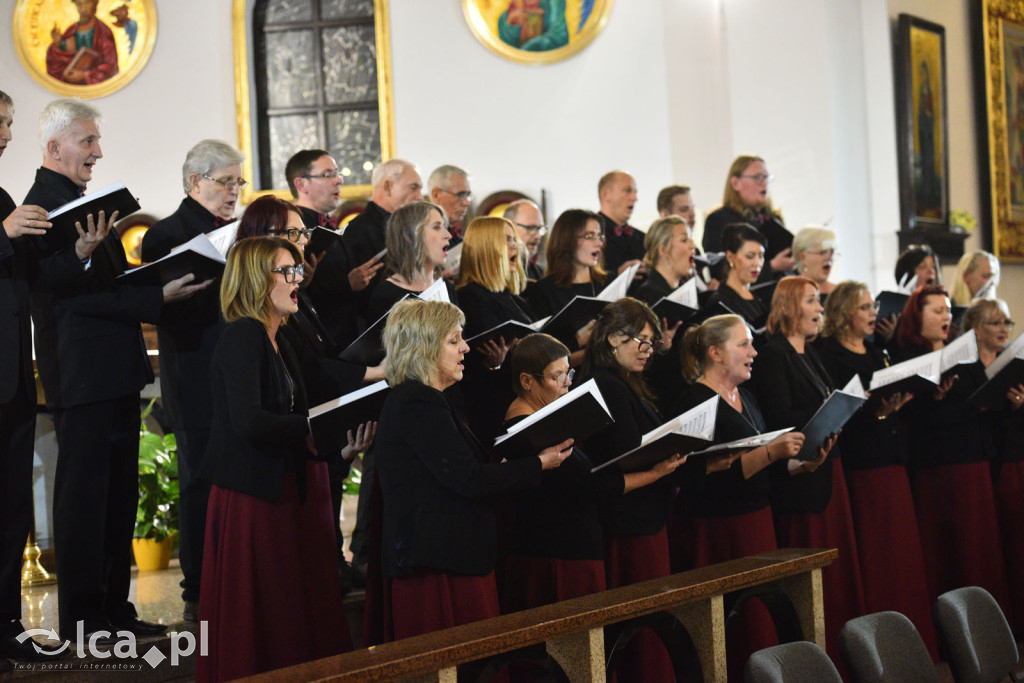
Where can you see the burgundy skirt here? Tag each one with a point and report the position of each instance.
(629, 560)
(842, 587)
(710, 540)
(889, 544)
(536, 581)
(432, 601)
(270, 571)
(1009, 493)
(956, 514)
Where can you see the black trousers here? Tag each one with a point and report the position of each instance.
(17, 447)
(96, 493)
(195, 493)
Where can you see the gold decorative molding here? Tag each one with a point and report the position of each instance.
(243, 110)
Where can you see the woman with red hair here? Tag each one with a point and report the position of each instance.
(811, 511)
(950, 453)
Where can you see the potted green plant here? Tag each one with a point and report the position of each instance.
(156, 520)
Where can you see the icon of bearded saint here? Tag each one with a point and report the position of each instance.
(85, 53)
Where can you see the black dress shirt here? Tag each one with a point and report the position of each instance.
(619, 248)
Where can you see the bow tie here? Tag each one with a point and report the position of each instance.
(81, 190)
(763, 216)
(328, 221)
(621, 230)
(219, 222)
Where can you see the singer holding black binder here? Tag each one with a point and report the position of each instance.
(269, 567)
(556, 546)
(436, 480)
(875, 465)
(729, 516)
(950, 452)
(813, 510)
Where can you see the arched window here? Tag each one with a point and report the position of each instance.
(313, 74)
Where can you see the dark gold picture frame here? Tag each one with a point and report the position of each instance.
(1002, 28)
(119, 44)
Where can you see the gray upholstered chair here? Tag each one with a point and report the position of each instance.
(977, 639)
(885, 648)
(799, 662)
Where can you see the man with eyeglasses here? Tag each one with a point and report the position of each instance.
(623, 244)
(529, 223)
(187, 334)
(448, 187)
(93, 364)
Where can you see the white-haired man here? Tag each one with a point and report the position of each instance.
(448, 187)
(92, 364)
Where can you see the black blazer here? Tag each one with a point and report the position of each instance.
(436, 482)
(257, 435)
(789, 393)
(620, 248)
(188, 330)
(89, 345)
(330, 291)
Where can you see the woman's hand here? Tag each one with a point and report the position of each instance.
(375, 373)
(494, 351)
(359, 442)
(583, 334)
(944, 388)
(551, 458)
(786, 445)
(892, 404)
(1016, 397)
(668, 465)
(809, 466)
(783, 261)
(885, 327)
(721, 462)
(668, 333)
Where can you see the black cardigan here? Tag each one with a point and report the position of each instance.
(255, 438)
(789, 394)
(435, 483)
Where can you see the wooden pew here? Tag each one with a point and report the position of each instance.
(573, 630)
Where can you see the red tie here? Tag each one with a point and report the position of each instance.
(329, 221)
(621, 230)
(219, 222)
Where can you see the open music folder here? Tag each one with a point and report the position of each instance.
(579, 414)
(198, 256)
(330, 422)
(113, 197)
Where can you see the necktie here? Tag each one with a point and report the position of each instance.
(219, 222)
(328, 221)
(621, 230)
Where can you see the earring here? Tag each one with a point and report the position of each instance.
(615, 350)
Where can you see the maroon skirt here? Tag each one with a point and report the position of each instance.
(889, 544)
(629, 560)
(432, 601)
(842, 587)
(536, 581)
(270, 571)
(956, 514)
(1009, 493)
(710, 540)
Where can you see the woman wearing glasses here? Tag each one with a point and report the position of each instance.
(875, 462)
(624, 339)
(417, 239)
(269, 516)
(574, 254)
(815, 251)
(556, 548)
(950, 453)
(746, 200)
(990, 319)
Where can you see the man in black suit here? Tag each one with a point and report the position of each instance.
(18, 398)
(187, 334)
(623, 244)
(93, 364)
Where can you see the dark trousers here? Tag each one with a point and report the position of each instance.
(17, 443)
(96, 493)
(195, 493)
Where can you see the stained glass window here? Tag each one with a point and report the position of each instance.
(316, 85)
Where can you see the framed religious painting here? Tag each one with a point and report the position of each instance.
(536, 31)
(84, 48)
(1002, 27)
(922, 124)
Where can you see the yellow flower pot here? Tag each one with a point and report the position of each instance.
(152, 555)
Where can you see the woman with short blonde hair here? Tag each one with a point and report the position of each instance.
(814, 250)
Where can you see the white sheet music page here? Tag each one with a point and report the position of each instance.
(1014, 350)
(687, 294)
(855, 387)
(929, 366)
(698, 421)
(963, 349)
(620, 285)
(436, 292)
(222, 238)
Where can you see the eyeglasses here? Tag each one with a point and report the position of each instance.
(564, 380)
(760, 177)
(291, 273)
(534, 229)
(326, 175)
(645, 345)
(230, 183)
(465, 195)
(823, 252)
(593, 236)
(873, 306)
(293, 234)
(1008, 324)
